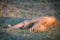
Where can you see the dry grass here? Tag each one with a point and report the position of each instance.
(16, 11)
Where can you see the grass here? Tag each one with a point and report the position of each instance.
(19, 34)
(18, 11)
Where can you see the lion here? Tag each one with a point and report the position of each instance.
(42, 23)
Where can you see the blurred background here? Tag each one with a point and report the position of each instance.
(16, 11)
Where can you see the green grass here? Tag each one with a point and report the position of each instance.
(19, 34)
(27, 10)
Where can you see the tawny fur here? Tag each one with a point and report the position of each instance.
(44, 24)
(40, 24)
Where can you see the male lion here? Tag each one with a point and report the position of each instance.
(42, 23)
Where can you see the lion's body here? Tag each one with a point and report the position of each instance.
(40, 23)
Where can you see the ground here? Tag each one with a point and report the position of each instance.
(13, 12)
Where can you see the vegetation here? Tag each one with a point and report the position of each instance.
(15, 11)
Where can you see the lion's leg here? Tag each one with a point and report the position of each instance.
(28, 23)
(23, 24)
(19, 25)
